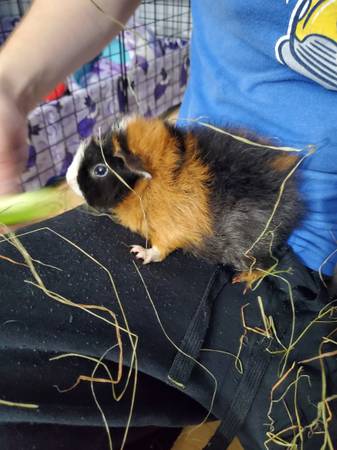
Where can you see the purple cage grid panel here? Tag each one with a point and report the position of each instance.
(144, 70)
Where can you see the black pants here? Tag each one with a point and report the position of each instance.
(189, 327)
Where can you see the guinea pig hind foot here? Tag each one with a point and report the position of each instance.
(146, 254)
(249, 278)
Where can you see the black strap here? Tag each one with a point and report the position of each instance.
(255, 369)
(182, 365)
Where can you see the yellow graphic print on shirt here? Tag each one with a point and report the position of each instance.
(310, 46)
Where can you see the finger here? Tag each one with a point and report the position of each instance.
(10, 178)
(11, 167)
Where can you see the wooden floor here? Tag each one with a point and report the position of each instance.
(196, 438)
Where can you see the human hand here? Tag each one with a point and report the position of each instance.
(73, 33)
(13, 144)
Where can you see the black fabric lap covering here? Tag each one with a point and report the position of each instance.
(199, 309)
(63, 437)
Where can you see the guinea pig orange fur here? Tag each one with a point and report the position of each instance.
(171, 209)
(194, 189)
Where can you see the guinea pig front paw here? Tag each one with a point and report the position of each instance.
(146, 254)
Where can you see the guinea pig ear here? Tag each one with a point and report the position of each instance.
(133, 163)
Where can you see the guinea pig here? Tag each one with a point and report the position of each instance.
(194, 188)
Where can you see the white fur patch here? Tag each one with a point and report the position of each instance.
(125, 121)
(72, 172)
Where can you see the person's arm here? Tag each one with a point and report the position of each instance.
(53, 39)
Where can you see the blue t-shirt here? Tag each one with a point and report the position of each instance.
(271, 67)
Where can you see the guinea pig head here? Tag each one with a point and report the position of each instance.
(105, 170)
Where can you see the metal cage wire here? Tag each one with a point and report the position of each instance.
(144, 70)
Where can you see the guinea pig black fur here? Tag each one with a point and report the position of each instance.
(196, 189)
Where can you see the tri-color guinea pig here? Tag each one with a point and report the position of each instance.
(195, 189)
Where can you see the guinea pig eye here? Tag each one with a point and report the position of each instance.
(100, 170)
